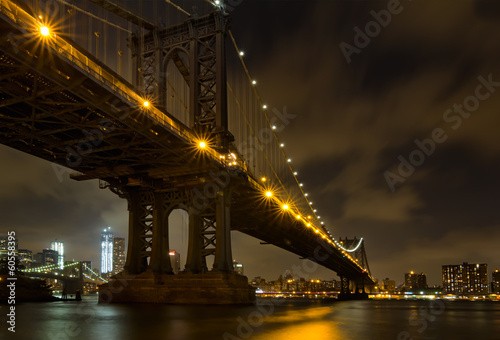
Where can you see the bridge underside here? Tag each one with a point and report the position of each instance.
(54, 109)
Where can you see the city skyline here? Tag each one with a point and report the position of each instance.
(353, 122)
(411, 280)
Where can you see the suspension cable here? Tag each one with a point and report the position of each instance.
(178, 7)
(269, 122)
(93, 16)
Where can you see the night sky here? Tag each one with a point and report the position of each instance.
(433, 71)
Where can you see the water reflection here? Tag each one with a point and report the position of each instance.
(349, 320)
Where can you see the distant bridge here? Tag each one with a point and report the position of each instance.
(73, 275)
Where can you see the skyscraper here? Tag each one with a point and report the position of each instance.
(59, 247)
(415, 281)
(495, 282)
(118, 254)
(238, 268)
(465, 278)
(106, 252)
(25, 257)
(50, 257)
(388, 285)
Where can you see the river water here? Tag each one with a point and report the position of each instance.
(269, 320)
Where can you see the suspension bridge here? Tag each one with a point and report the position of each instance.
(72, 276)
(158, 105)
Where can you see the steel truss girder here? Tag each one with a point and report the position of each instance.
(62, 108)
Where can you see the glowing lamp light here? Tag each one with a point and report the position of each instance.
(285, 207)
(242, 53)
(202, 145)
(254, 82)
(289, 160)
(263, 179)
(269, 194)
(298, 217)
(264, 106)
(282, 145)
(146, 103)
(274, 127)
(295, 173)
(44, 30)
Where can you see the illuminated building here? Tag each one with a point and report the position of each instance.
(495, 282)
(175, 261)
(465, 278)
(238, 268)
(388, 285)
(106, 252)
(118, 254)
(46, 257)
(59, 247)
(415, 281)
(25, 257)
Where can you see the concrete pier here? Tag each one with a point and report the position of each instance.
(203, 289)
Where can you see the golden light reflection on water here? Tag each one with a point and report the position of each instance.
(314, 323)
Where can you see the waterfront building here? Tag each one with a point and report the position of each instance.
(238, 268)
(414, 281)
(465, 278)
(118, 254)
(495, 282)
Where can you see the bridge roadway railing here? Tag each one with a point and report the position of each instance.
(97, 72)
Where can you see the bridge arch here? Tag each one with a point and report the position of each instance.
(177, 220)
(174, 84)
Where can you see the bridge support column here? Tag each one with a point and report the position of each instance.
(209, 235)
(160, 258)
(138, 206)
(223, 262)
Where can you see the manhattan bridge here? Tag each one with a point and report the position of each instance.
(154, 100)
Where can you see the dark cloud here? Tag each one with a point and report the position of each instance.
(355, 119)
